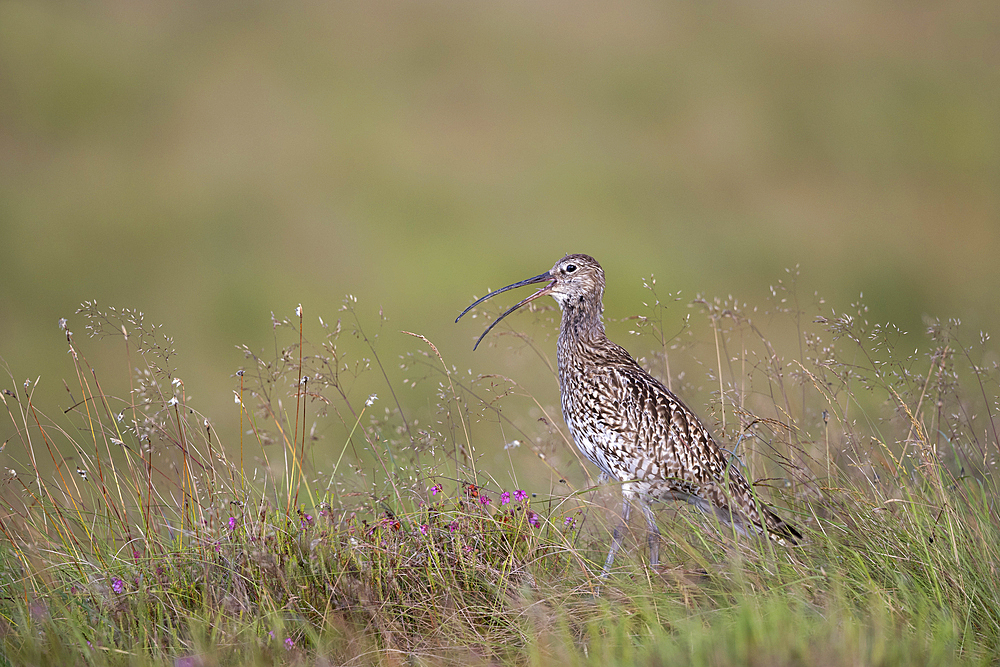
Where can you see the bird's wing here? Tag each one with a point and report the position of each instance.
(663, 440)
(669, 439)
(665, 430)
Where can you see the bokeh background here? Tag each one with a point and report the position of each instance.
(212, 163)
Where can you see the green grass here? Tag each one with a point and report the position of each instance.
(136, 534)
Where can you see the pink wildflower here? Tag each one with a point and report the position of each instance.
(505, 497)
(232, 523)
(424, 529)
(520, 495)
(533, 519)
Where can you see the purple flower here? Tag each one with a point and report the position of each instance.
(505, 497)
(289, 643)
(435, 489)
(424, 529)
(520, 495)
(307, 520)
(484, 499)
(232, 523)
(117, 585)
(453, 526)
(533, 519)
(569, 521)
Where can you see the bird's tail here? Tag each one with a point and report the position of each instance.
(779, 530)
(766, 522)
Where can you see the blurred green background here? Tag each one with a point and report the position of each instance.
(209, 163)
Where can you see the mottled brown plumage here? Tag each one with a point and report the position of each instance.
(629, 425)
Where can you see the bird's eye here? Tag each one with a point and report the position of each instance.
(570, 268)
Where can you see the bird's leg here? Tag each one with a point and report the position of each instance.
(654, 535)
(618, 534)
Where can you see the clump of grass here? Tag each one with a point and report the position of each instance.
(343, 524)
(143, 534)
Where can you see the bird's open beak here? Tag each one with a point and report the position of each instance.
(530, 281)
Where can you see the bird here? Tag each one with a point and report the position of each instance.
(629, 425)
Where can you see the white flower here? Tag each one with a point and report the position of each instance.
(371, 399)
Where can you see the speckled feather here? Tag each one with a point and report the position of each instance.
(637, 432)
(629, 425)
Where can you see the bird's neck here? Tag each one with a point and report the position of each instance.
(581, 322)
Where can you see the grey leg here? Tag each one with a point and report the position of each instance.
(618, 534)
(654, 535)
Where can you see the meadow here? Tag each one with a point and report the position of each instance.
(198, 484)
(135, 533)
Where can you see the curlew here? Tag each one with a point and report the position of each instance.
(629, 425)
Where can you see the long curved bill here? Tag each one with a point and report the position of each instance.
(541, 278)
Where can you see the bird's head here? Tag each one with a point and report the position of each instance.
(575, 279)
